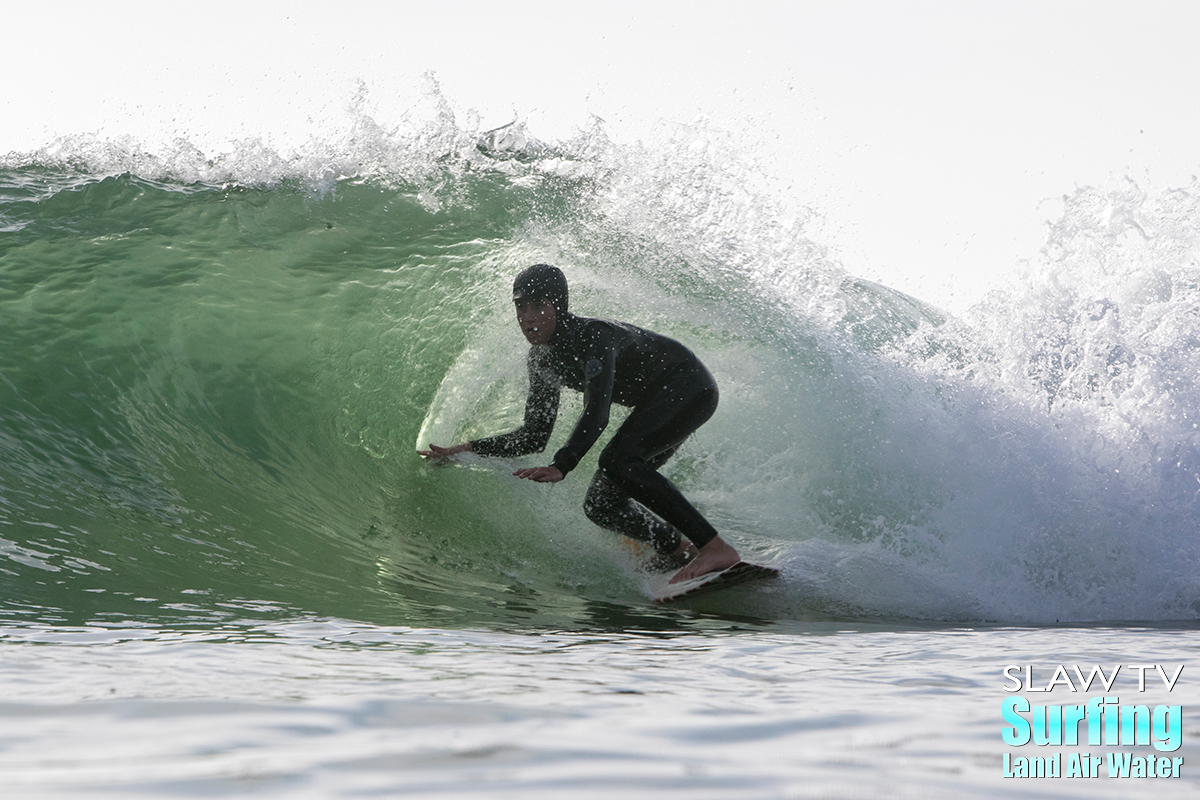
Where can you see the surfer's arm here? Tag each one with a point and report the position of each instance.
(541, 409)
(599, 371)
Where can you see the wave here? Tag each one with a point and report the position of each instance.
(217, 370)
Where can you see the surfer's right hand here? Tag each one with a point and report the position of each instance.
(442, 453)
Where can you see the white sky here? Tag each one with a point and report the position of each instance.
(933, 135)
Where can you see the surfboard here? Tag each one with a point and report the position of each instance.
(739, 573)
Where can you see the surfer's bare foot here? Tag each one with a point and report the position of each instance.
(713, 557)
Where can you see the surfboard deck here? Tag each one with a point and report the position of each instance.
(741, 572)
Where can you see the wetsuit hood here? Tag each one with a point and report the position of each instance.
(543, 282)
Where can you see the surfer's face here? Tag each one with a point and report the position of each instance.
(537, 319)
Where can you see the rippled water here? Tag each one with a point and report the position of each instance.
(328, 708)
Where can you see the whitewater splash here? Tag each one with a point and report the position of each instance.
(221, 365)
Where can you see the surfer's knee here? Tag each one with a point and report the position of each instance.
(595, 509)
(617, 462)
(604, 502)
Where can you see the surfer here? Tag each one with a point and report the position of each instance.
(670, 392)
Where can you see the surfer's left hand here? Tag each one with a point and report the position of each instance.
(440, 454)
(540, 474)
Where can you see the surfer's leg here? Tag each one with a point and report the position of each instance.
(612, 509)
(659, 426)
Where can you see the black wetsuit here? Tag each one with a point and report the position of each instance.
(671, 394)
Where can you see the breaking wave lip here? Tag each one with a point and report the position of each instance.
(430, 143)
(1033, 460)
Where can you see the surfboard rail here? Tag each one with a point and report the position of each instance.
(739, 573)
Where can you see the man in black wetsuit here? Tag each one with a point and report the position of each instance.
(671, 394)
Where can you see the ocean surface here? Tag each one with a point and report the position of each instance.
(225, 572)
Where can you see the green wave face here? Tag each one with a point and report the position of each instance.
(212, 397)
